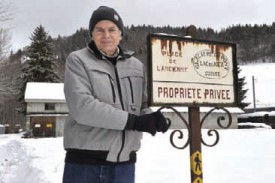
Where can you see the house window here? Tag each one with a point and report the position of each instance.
(49, 107)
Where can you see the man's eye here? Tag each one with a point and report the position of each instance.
(99, 31)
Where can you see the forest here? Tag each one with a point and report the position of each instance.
(255, 43)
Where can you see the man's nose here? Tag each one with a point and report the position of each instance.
(106, 33)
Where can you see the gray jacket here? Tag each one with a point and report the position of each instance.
(99, 96)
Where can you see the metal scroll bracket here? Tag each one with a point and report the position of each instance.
(194, 137)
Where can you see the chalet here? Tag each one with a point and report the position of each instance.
(46, 109)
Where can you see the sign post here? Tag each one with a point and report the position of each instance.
(195, 144)
(195, 133)
(190, 72)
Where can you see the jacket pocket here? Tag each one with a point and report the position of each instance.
(132, 80)
(102, 85)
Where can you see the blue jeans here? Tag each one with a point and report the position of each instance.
(85, 173)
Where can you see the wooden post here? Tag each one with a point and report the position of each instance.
(195, 132)
(195, 145)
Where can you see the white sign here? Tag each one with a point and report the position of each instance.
(191, 72)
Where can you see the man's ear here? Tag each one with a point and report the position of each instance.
(120, 37)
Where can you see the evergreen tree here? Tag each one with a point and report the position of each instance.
(40, 59)
(39, 66)
(241, 91)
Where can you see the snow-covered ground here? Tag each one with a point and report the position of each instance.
(30, 160)
(241, 156)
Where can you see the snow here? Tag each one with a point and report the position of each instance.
(253, 125)
(241, 156)
(30, 160)
(44, 91)
(264, 84)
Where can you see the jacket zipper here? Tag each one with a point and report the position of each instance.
(113, 89)
(122, 105)
(131, 87)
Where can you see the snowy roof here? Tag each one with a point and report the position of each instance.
(44, 92)
(45, 115)
(257, 114)
(255, 125)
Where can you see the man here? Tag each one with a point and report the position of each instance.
(106, 95)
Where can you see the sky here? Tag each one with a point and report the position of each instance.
(64, 17)
(241, 156)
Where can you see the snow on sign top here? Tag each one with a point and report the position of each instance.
(41, 92)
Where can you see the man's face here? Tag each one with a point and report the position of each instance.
(106, 36)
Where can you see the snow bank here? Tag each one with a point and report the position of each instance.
(30, 160)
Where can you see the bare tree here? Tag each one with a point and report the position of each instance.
(5, 10)
(5, 37)
(8, 71)
(5, 43)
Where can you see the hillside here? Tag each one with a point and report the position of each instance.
(255, 43)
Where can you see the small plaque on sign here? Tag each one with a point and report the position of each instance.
(191, 72)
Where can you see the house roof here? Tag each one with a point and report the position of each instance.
(257, 114)
(44, 92)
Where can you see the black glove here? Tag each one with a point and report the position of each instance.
(151, 123)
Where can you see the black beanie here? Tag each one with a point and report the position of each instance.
(105, 13)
